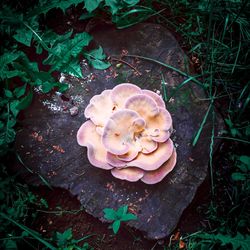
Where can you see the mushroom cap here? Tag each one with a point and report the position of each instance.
(158, 99)
(152, 177)
(128, 133)
(87, 136)
(144, 105)
(122, 92)
(155, 159)
(158, 119)
(129, 174)
(119, 131)
(159, 127)
(100, 108)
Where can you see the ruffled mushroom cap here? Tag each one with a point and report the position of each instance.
(158, 120)
(147, 162)
(87, 136)
(148, 177)
(128, 132)
(152, 177)
(96, 112)
(128, 174)
(122, 92)
(119, 131)
(156, 97)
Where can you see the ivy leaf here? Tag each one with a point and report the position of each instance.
(91, 5)
(24, 36)
(116, 225)
(95, 58)
(20, 91)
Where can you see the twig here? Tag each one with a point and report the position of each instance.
(122, 61)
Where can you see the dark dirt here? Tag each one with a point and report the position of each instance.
(63, 213)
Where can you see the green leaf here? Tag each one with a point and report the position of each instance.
(238, 176)
(116, 225)
(14, 107)
(25, 101)
(245, 159)
(11, 123)
(73, 68)
(20, 91)
(10, 135)
(95, 58)
(128, 216)
(67, 234)
(1, 125)
(109, 214)
(24, 36)
(237, 242)
(47, 87)
(78, 42)
(64, 237)
(97, 53)
(113, 4)
(121, 211)
(62, 87)
(91, 5)
(10, 244)
(8, 93)
(97, 64)
(131, 2)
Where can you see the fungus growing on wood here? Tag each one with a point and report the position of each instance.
(128, 132)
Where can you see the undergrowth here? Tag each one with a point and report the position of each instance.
(215, 35)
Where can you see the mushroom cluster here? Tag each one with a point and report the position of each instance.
(128, 133)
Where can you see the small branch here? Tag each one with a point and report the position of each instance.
(122, 61)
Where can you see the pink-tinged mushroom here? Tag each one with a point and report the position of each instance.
(158, 99)
(87, 136)
(158, 120)
(146, 144)
(100, 108)
(152, 177)
(154, 160)
(128, 174)
(147, 162)
(159, 127)
(144, 105)
(128, 132)
(122, 92)
(119, 131)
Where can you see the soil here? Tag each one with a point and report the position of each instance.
(65, 212)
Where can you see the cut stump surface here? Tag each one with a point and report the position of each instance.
(47, 140)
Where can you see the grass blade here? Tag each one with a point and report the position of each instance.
(29, 231)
